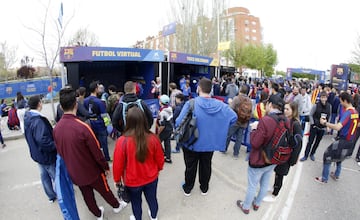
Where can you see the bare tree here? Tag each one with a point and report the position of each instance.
(197, 25)
(356, 51)
(49, 35)
(84, 37)
(9, 53)
(7, 58)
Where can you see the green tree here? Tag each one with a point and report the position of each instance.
(259, 57)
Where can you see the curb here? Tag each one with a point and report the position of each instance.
(13, 137)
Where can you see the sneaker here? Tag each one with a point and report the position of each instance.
(149, 212)
(132, 217)
(269, 198)
(122, 205)
(240, 204)
(52, 200)
(255, 207)
(3, 145)
(175, 151)
(102, 213)
(332, 175)
(236, 157)
(167, 160)
(312, 157)
(303, 159)
(320, 180)
(204, 193)
(187, 194)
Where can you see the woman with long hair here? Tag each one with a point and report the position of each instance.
(21, 109)
(138, 158)
(292, 114)
(259, 110)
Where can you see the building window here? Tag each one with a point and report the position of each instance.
(254, 38)
(247, 37)
(247, 29)
(246, 21)
(253, 23)
(254, 30)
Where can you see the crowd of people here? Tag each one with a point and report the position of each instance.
(245, 108)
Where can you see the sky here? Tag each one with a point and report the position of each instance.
(305, 33)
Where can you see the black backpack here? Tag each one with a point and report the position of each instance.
(187, 133)
(278, 150)
(127, 105)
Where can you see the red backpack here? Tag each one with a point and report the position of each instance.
(278, 150)
(13, 119)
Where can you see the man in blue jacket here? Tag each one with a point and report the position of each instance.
(38, 134)
(213, 121)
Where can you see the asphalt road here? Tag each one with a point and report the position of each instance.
(22, 196)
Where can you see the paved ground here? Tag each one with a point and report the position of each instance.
(22, 197)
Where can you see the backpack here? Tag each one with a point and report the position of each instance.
(244, 110)
(13, 119)
(127, 105)
(93, 108)
(187, 132)
(278, 150)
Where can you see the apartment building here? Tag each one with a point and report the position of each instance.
(235, 25)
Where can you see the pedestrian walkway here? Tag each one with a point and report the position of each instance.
(20, 187)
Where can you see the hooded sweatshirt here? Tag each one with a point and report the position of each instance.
(213, 121)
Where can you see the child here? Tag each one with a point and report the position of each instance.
(179, 101)
(164, 126)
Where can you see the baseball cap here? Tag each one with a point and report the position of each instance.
(164, 99)
(277, 100)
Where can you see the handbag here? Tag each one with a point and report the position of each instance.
(122, 192)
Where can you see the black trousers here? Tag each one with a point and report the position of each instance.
(277, 184)
(192, 161)
(315, 134)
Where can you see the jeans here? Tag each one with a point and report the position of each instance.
(150, 191)
(102, 138)
(314, 133)
(238, 131)
(47, 175)
(256, 176)
(303, 120)
(326, 170)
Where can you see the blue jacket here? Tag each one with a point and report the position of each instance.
(213, 121)
(39, 136)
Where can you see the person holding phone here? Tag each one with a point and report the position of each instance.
(321, 109)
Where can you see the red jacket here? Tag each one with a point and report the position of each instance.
(259, 138)
(136, 173)
(77, 145)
